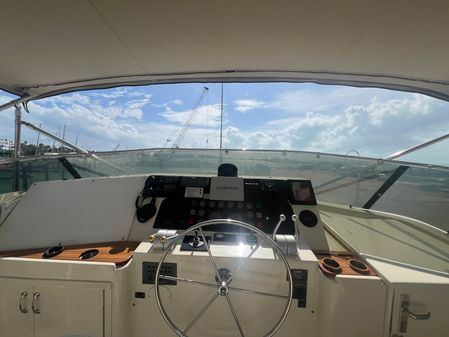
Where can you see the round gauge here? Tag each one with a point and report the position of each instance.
(230, 204)
(308, 218)
(250, 214)
(202, 203)
(249, 205)
(240, 205)
(211, 204)
(201, 212)
(221, 204)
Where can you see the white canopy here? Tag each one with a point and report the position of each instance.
(53, 46)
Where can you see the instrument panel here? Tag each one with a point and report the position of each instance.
(259, 202)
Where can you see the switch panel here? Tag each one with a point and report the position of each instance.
(149, 272)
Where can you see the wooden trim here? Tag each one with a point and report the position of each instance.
(345, 268)
(119, 252)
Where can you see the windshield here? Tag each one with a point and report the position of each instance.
(339, 137)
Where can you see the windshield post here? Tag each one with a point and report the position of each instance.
(18, 122)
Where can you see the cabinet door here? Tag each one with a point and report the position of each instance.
(420, 300)
(70, 309)
(16, 316)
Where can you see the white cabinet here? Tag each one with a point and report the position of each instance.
(53, 308)
(16, 316)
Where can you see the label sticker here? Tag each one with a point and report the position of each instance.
(226, 188)
(194, 192)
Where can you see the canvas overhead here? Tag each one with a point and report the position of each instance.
(54, 46)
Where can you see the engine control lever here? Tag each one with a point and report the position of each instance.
(281, 220)
(294, 217)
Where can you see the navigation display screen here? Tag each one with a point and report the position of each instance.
(303, 192)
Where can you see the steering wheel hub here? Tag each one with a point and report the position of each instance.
(223, 289)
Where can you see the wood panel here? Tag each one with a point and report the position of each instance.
(345, 268)
(118, 252)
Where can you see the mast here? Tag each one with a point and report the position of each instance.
(221, 122)
(17, 140)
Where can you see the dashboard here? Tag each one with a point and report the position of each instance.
(258, 202)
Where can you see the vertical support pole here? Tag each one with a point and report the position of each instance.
(37, 141)
(17, 141)
(221, 124)
(18, 122)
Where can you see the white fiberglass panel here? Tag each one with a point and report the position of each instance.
(390, 238)
(72, 212)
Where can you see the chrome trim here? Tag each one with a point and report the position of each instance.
(23, 296)
(34, 305)
(405, 313)
(275, 231)
(405, 302)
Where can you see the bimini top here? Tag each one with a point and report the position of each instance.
(53, 46)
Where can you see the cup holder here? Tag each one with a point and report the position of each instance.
(52, 252)
(88, 254)
(358, 266)
(330, 265)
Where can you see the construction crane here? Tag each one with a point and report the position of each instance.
(181, 132)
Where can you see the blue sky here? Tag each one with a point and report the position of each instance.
(336, 119)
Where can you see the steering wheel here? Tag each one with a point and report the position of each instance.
(223, 277)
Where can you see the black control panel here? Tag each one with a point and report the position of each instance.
(187, 202)
(181, 214)
(299, 278)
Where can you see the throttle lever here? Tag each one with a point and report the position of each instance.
(281, 220)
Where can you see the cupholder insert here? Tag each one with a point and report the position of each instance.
(358, 266)
(331, 264)
(88, 254)
(52, 252)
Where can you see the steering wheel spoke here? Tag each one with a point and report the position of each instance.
(256, 292)
(186, 280)
(245, 260)
(234, 314)
(198, 316)
(217, 274)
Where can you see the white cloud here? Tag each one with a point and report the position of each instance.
(102, 103)
(206, 115)
(244, 105)
(379, 123)
(379, 127)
